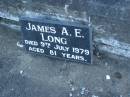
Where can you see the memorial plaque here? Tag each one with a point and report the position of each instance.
(61, 39)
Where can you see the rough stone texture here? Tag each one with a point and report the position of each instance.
(108, 18)
(29, 75)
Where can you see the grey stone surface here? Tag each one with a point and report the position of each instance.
(24, 74)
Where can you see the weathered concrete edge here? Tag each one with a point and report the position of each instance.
(105, 44)
(110, 45)
(9, 16)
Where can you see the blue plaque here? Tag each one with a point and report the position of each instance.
(61, 39)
